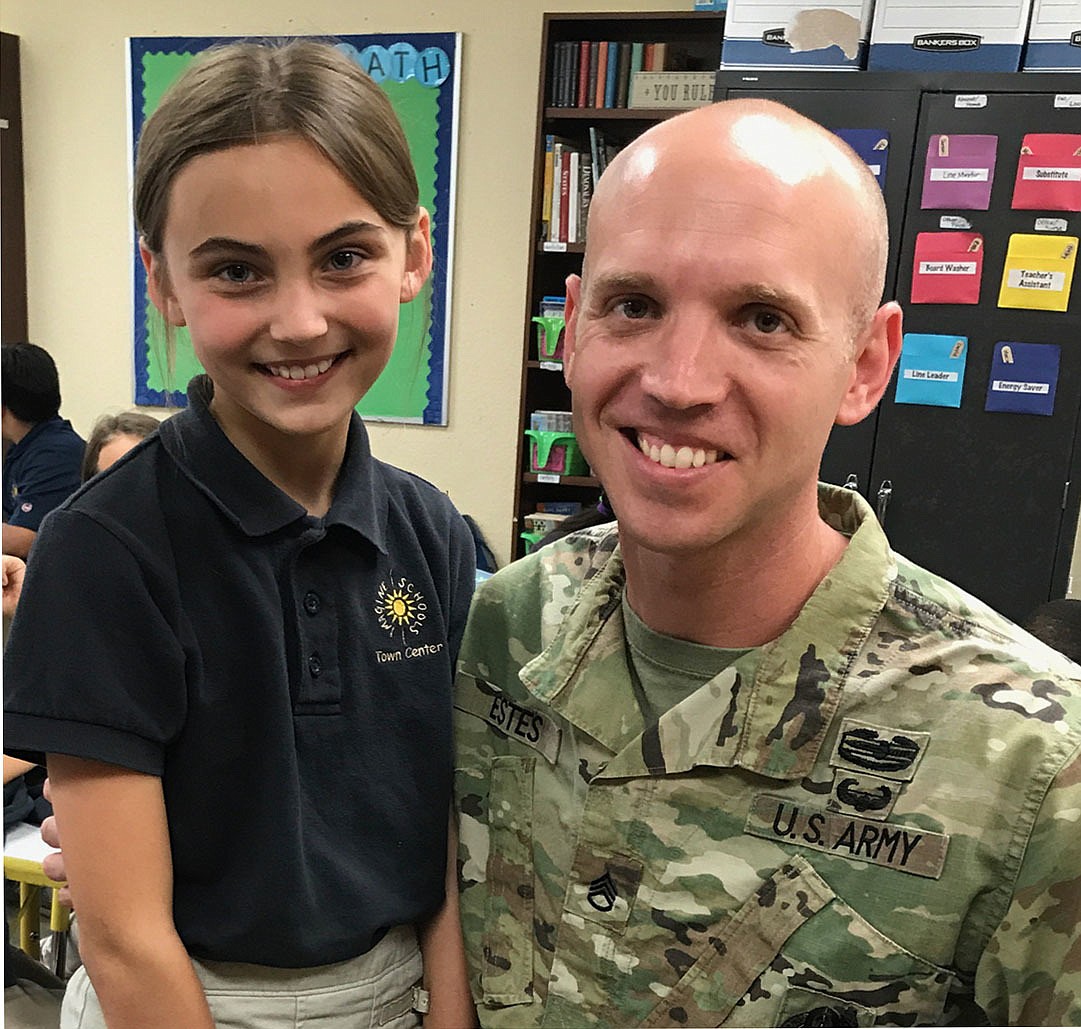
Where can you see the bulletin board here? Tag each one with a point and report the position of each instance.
(420, 73)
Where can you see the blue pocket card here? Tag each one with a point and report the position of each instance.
(1023, 378)
(932, 369)
(873, 146)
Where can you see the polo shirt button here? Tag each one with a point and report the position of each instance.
(311, 602)
(315, 666)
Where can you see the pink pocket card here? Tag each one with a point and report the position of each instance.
(1048, 173)
(947, 268)
(959, 172)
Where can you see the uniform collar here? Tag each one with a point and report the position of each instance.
(775, 721)
(252, 502)
(38, 429)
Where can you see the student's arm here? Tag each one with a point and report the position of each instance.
(119, 869)
(445, 976)
(12, 573)
(17, 540)
(14, 767)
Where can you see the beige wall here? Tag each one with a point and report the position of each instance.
(77, 191)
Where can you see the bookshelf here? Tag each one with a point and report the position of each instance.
(692, 42)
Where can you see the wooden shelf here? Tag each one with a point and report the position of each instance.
(612, 113)
(564, 480)
(698, 36)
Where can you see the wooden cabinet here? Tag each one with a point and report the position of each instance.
(692, 41)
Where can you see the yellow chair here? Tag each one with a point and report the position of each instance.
(24, 851)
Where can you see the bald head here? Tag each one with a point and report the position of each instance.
(765, 142)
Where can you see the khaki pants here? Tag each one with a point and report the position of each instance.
(373, 991)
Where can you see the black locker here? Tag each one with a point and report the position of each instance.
(989, 500)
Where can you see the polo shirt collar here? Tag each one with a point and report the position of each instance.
(583, 676)
(38, 429)
(202, 451)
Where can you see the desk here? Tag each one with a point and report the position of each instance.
(24, 851)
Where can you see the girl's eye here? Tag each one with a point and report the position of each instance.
(236, 273)
(345, 260)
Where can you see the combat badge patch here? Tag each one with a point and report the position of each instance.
(890, 753)
(523, 724)
(869, 796)
(901, 847)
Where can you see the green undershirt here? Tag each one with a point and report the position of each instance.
(666, 670)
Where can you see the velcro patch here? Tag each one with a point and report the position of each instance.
(903, 848)
(869, 796)
(890, 753)
(517, 722)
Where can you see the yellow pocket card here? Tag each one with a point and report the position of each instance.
(1038, 272)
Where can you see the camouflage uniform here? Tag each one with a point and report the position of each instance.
(875, 819)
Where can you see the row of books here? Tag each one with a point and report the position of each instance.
(569, 174)
(592, 73)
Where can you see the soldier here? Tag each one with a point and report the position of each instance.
(737, 762)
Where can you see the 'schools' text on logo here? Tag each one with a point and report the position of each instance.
(400, 608)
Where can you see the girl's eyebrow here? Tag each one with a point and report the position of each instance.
(217, 244)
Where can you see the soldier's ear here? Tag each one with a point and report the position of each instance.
(570, 327)
(877, 351)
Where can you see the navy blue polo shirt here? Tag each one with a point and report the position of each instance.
(41, 471)
(288, 677)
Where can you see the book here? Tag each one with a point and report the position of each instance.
(610, 78)
(570, 86)
(564, 193)
(660, 57)
(574, 194)
(648, 56)
(557, 192)
(602, 73)
(546, 195)
(596, 151)
(623, 74)
(585, 189)
(583, 74)
(637, 55)
(555, 78)
(591, 87)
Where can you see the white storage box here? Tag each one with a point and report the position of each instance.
(944, 35)
(816, 35)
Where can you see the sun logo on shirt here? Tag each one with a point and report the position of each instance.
(400, 607)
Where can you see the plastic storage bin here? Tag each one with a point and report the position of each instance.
(555, 452)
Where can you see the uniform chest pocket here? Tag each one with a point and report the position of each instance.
(794, 953)
(507, 975)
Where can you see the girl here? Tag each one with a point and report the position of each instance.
(112, 437)
(252, 785)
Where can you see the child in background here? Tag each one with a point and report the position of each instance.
(253, 652)
(112, 437)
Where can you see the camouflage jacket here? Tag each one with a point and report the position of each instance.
(874, 819)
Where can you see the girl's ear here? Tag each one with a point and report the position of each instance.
(418, 257)
(159, 287)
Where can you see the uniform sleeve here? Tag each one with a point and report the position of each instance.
(1030, 973)
(93, 666)
(47, 477)
(463, 571)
